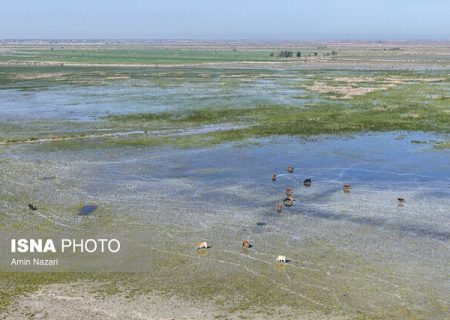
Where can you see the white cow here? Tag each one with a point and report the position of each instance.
(281, 259)
(202, 245)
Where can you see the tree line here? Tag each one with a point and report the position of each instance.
(290, 54)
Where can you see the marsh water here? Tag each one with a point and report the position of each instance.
(350, 253)
(86, 94)
(339, 244)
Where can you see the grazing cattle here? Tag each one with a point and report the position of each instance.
(289, 191)
(246, 244)
(279, 207)
(290, 169)
(274, 177)
(281, 259)
(201, 245)
(32, 207)
(288, 201)
(346, 188)
(307, 183)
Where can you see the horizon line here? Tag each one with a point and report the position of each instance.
(234, 39)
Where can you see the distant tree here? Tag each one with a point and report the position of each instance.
(285, 54)
(299, 54)
(334, 53)
(271, 54)
(315, 54)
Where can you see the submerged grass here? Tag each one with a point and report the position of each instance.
(442, 145)
(404, 108)
(236, 290)
(13, 284)
(418, 101)
(409, 107)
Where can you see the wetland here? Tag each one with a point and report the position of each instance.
(167, 153)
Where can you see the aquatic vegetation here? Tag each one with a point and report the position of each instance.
(130, 125)
(402, 108)
(324, 275)
(442, 145)
(261, 102)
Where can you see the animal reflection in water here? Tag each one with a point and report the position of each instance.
(274, 177)
(289, 191)
(290, 169)
(401, 202)
(346, 188)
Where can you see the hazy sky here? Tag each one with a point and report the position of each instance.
(225, 19)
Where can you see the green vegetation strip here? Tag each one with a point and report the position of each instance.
(415, 106)
(402, 108)
(442, 145)
(137, 56)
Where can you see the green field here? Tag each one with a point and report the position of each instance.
(334, 53)
(137, 56)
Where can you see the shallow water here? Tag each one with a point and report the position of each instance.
(87, 95)
(87, 210)
(350, 253)
(241, 175)
(223, 194)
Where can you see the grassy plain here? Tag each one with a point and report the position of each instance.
(384, 55)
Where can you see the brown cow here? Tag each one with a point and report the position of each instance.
(246, 244)
(289, 201)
